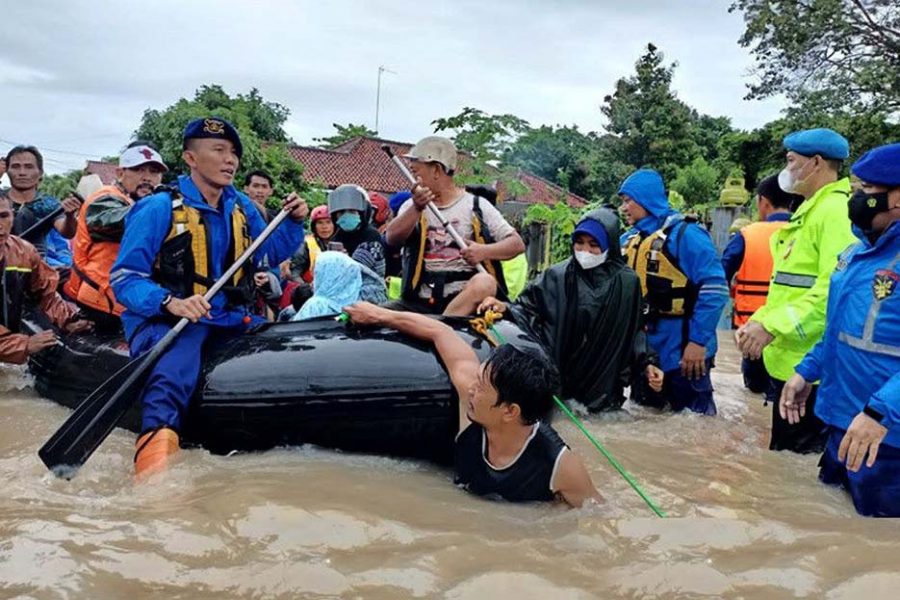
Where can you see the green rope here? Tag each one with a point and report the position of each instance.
(609, 457)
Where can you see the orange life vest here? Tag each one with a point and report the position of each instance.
(93, 260)
(751, 282)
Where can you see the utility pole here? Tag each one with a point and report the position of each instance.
(381, 69)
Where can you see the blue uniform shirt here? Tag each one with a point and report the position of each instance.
(858, 358)
(146, 228)
(698, 259)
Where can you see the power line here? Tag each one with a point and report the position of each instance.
(55, 150)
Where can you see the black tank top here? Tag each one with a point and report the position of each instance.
(526, 479)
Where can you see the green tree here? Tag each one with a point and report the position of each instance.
(698, 183)
(846, 52)
(343, 134)
(259, 122)
(654, 127)
(61, 185)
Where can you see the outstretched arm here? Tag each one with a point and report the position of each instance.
(573, 483)
(460, 360)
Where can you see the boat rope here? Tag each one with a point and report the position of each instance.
(485, 326)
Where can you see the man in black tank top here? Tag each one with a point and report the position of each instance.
(503, 450)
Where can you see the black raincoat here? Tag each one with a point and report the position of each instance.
(590, 322)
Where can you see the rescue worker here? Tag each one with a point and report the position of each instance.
(101, 222)
(804, 254)
(748, 256)
(858, 358)
(438, 277)
(503, 448)
(304, 260)
(24, 277)
(587, 313)
(176, 244)
(684, 290)
(25, 167)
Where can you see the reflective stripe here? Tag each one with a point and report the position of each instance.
(19, 269)
(120, 273)
(794, 280)
(869, 345)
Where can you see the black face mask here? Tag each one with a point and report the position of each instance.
(864, 206)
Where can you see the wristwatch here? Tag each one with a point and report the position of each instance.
(165, 301)
(871, 412)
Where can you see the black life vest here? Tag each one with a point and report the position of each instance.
(13, 289)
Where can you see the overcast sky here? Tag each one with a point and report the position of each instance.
(75, 76)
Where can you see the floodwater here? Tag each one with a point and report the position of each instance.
(311, 523)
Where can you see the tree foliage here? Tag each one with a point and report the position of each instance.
(259, 122)
(698, 183)
(62, 184)
(845, 52)
(343, 134)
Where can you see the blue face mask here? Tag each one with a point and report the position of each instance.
(349, 221)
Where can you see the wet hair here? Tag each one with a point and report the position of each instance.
(300, 295)
(523, 377)
(258, 173)
(137, 143)
(30, 150)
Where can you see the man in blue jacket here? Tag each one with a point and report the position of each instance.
(176, 244)
(858, 359)
(684, 288)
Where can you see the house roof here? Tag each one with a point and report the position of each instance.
(106, 170)
(362, 161)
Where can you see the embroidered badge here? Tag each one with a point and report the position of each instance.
(213, 126)
(884, 284)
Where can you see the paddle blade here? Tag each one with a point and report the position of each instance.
(86, 428)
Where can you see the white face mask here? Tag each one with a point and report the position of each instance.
(788, 182)
(589, 260)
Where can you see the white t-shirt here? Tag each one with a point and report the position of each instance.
(441, 253)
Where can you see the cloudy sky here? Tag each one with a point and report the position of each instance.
(76, 75)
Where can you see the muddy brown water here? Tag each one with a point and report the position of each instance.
(312, 523)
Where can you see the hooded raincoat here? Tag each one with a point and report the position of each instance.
(589, 321)
(337, 282)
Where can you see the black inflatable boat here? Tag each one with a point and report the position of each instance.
(321, 382)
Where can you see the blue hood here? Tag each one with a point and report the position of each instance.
(646, 187)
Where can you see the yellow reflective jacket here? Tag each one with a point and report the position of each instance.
(804, 252)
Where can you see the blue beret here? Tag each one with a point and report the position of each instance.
(213, 127)
(880, 166)
(824, 142)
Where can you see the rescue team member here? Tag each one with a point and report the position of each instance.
(438, 277)
(576, 307)
(259, 187)
(176, 244)
(748, 256)
(503, 449)
(304, 261)
(858, 358)
(24, 277)
(25, 167)
(684, 289)
(101, 222)
(804, 254)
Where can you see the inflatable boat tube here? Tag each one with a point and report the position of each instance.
(315, 382)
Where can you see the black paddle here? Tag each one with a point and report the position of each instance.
(42, 225)
(97, 415)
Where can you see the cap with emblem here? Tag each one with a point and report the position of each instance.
(215, 128)
(434, 148)
(879, 166)
(140, 155)
(827, 143)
